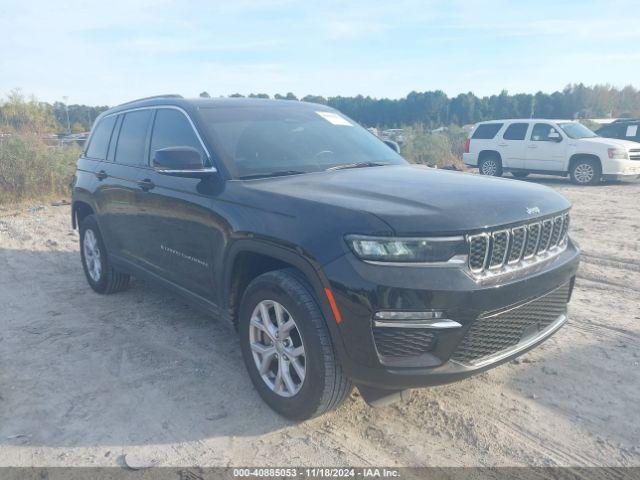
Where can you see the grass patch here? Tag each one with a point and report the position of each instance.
(30, 169)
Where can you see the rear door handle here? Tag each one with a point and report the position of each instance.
(503, 144)
(146, 184)
(533, 146)
(101, 175)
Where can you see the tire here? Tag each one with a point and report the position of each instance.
(585, 171)
(519, 174)
(491, 165)
(323, 385)
(104, 279)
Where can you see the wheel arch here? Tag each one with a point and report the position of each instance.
(79, 210)
(582, 156)
(488, 153)
(248, 258)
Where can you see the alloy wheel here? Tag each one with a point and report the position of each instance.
(584, 173)
(489, 167)
(92, 257)
(277, 348)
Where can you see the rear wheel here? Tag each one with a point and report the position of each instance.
(101, 276)
(287, 348)
(586, 171)
(491, 165)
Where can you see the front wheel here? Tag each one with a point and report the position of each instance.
(586, 172)
(287, 348)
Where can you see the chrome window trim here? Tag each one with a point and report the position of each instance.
(170, 107)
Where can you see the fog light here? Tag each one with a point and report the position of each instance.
(426, 319)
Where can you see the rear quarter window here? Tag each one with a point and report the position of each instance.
(100, 137)
(486, 131)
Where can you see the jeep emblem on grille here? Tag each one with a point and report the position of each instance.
(533, 210)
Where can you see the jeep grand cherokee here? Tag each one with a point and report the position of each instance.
(339, 262)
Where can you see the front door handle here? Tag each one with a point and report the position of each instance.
(533, 146)
(101, 175)
(146, 184)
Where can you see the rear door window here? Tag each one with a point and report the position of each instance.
(132, 140)
(486, 131)
(100, 138)
(516, 131)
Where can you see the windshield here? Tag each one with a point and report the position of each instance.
(270, 140)
(576, 130)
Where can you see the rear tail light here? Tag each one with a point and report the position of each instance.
(466, 145)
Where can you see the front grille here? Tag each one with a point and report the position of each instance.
(403, 342)
(503, 250)
(634, 154)
(498, 332)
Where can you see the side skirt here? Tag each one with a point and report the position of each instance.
(196, 300)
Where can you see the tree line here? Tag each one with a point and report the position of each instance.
(430, 109)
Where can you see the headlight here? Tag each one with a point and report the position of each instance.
(406, 250)
(618, 153)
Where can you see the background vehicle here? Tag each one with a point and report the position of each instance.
(551, 147)
(338, 261)
(624, 129)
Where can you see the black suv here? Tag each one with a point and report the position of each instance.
(624, 129)
(339, 262)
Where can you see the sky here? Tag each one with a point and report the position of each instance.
(108, 52)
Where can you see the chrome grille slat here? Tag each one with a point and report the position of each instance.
(503, 250)
(499, 248)
(518, 242)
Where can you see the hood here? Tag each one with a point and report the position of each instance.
(417, 200)
(609, 142)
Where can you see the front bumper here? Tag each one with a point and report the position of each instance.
(620, 169)
(362, 289)
(621, 177)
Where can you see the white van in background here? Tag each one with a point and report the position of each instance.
(552, 147)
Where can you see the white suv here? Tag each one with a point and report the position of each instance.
(553, 147)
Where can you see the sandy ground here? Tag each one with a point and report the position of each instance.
(86, 379)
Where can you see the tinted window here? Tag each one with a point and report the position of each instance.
(608, 131)
(100, 138)
(486, 131)
(132, 138)
(172, 129)
(274, 139)
(543, 132)
(516, 131)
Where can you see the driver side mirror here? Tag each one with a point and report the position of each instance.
(392, 145)
(181, 162)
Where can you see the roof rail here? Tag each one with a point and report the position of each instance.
(169, 95)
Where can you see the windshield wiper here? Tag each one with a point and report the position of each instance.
(279, 173)
(356, 165)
